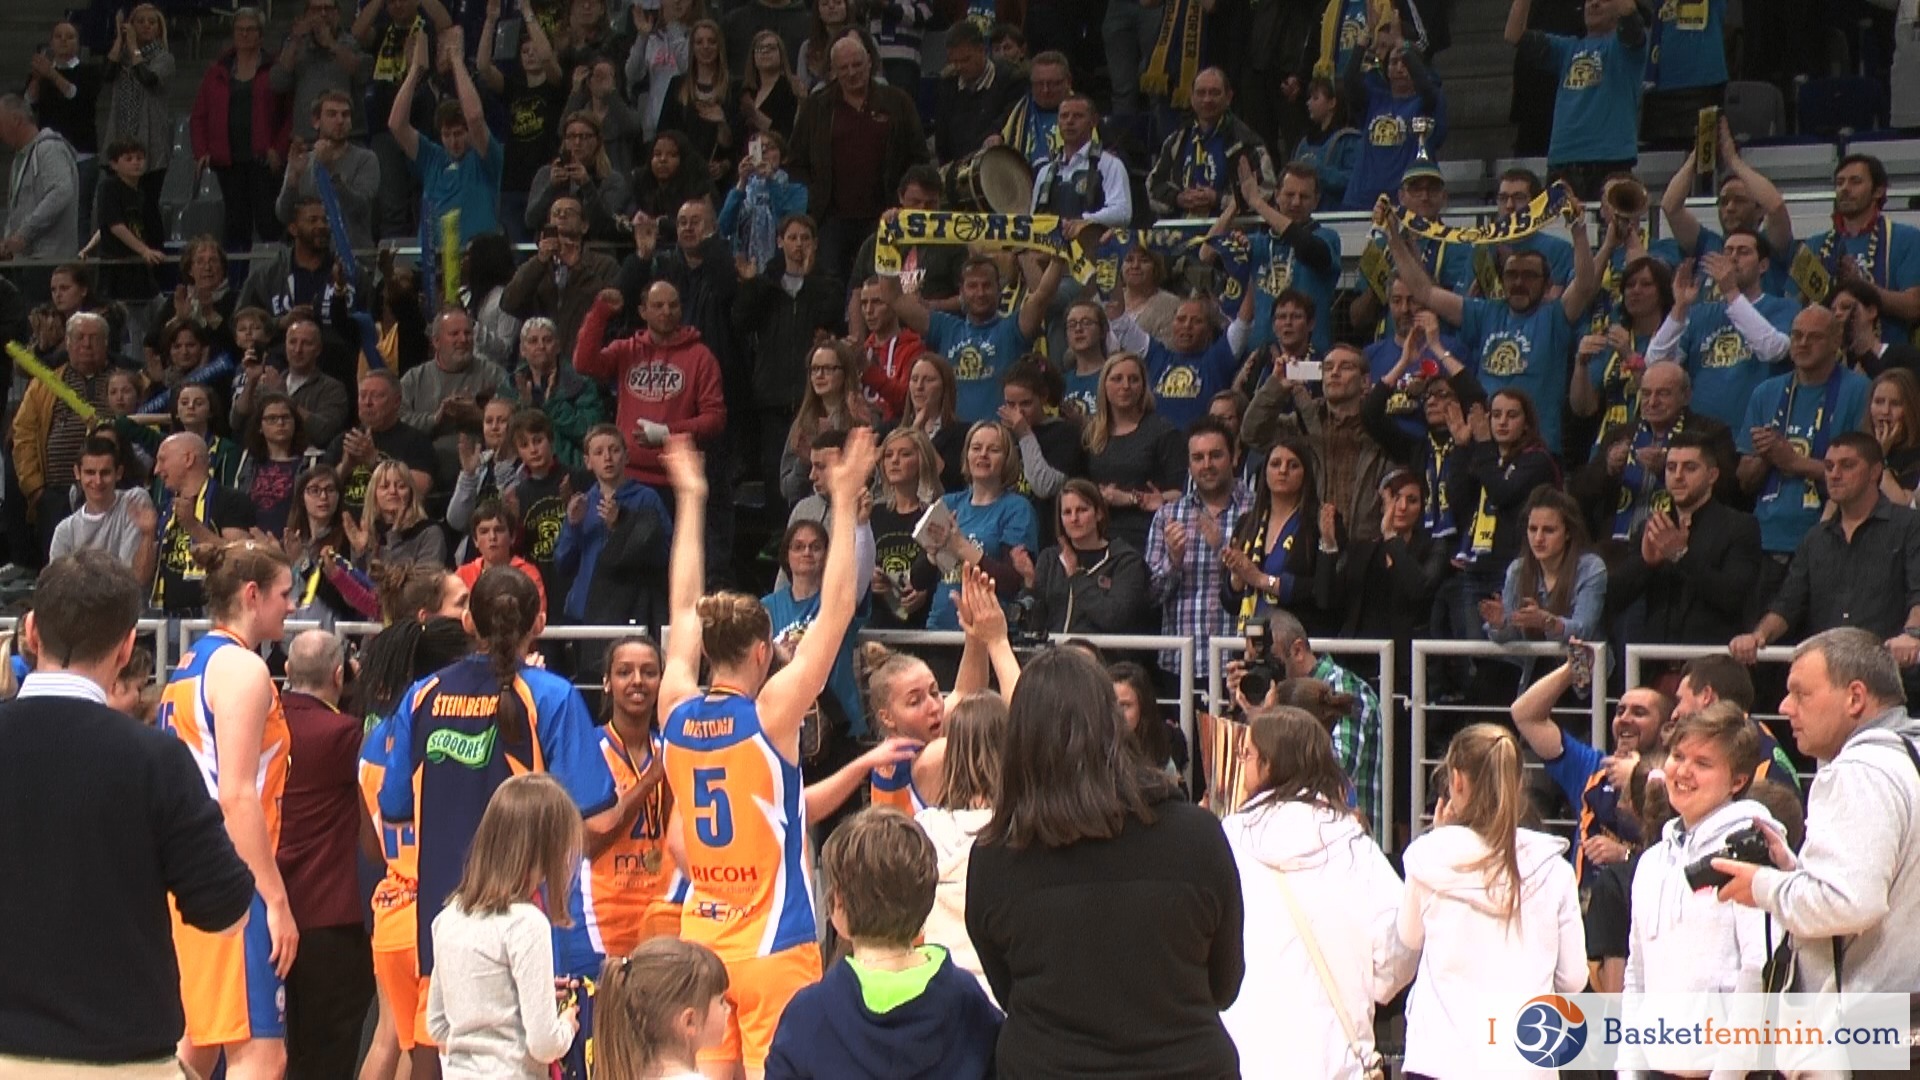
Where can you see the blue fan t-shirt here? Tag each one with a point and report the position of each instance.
(998, 527)
(1183, 384)
(1688, 47)
(1791, 506)
(470, 185)
(1596, 110)
(791, 620)
(1901, 270)
(1530, 351)
(1388, 143)
(1275, 269)
(980, 353)
(1721, 362)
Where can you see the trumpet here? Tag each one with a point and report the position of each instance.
(1626, 199)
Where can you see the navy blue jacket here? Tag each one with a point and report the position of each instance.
(947, 1033)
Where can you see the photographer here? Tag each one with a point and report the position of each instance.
(1852, 895)
(1280, 650)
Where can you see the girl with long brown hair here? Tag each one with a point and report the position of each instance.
(1893, 419)
(976, 728)
(1308, 868)
(1285, 552)
(703, 102)
(1491, 905)
(1557, 589)
(832, 401)
(658, 1008)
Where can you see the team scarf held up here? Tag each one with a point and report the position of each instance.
(1620, 391)
(1175, 60)
(1555, 202)
(1636, 481)
(1044, 233)
(1256, 549)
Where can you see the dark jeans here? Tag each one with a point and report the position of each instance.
(1586, 178)
(248, 189)
(840, 240)
(328, 992)
(1670, 119)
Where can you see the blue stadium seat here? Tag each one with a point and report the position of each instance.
(1838, 106)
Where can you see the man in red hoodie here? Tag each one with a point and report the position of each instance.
(890, 349)
(665, 381)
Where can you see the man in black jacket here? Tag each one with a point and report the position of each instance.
(103, 819)
(1624, 481)
(779, 316)
(1695, 560)
(973, 93)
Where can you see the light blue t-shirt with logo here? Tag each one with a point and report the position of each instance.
(1275, 270)
(979, 353)
(1897, 269)
(1688, 48)
(1183, 384)
(998, 527)
(1721, 362)
(1596, 110)
(1788, 505)
(1529, 351)
(470, 185)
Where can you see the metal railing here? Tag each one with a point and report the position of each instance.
(146, 630)
(1422, 709)
(1639, 656)
(1184, 646)
(1378, 648)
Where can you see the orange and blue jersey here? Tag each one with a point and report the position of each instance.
(228, 987)
(892, 785)
(184, 712)
(744, 830)
(393, 897)
(448, 757)
(634, 880)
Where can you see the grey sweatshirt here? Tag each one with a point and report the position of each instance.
(1859, 872)
(356, 179)
(43, 204)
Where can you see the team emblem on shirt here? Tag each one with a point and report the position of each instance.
(528, 119)
(970, 363)
(1585, 72)
(1505, 360)
(1725, 348)
(1178, 382)
(1387, 130)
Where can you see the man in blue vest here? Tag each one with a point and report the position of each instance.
(1079, 182)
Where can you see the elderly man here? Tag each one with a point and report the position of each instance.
(380, 434)
(563, 277)
(442, 398)
(852, 142)
(1348, 462)
(47, 434)
(1790, 421)
(1625, 481)
(1032, 125)
(196, 511)
(1199, 165)
(352, 171)
(331, 982)
(1852, 895)
(43, 198)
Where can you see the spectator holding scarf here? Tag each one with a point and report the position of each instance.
(1199, 164)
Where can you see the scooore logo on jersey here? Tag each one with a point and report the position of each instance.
(473, 751)
(1549, 1031)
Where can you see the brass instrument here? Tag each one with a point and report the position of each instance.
(1626, 199)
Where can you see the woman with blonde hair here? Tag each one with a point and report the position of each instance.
(139, 67)
(976, 728)
(931, 396)
(703, 102)
(993, 524)
(657, 1008)
(832, 401)
(1491, 905)
(392, 527)
(1315, 885)
(585, 171)
(659, 54)
(908, 482)
(1138, 459)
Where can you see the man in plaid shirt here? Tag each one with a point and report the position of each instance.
(1184, 542)
(1356, 738)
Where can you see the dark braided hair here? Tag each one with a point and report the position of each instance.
(403, 654)
(505, 608)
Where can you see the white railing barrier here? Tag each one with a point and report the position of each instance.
(1378, 648)
(1184, 646)
(1640, 656)
(145, 628)
(1487, 650)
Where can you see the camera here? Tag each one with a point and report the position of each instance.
(1259, 671)
(1025, 628)
(1748, 845)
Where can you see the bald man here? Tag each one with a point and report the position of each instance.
(666, 379)
(331, 983)
(196, 510)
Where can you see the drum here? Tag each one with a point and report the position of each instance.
(994, 179)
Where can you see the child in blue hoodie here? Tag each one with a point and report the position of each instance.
(613, 545)
(890, 1009)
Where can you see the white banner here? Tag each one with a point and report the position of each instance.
(1694, 1032)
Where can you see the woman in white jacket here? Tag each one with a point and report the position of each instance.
(1492, 906)
(970, 777)
(1683, 941)
(1296, 836)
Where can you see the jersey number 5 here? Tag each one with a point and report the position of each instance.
(713, 812)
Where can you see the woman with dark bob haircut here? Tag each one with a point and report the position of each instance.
(1105, 909)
